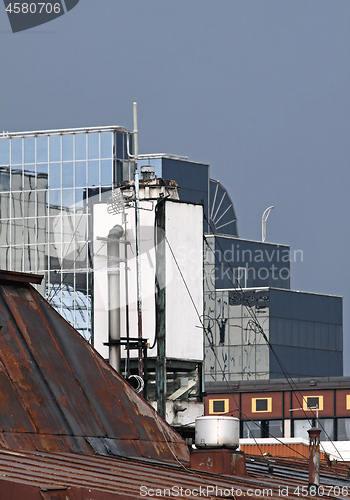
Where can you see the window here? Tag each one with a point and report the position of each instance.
(300, 428)
(326, 425)
(327, 428)
(348, 401)
(313, 403)
(251, 429)
(343, 429)
(276, 428)
(218, 406)
(262, 429)
(261, 405)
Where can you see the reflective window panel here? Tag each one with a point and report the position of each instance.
(48, 183)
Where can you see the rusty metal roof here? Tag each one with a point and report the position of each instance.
(64, 409)
(59, 395)
(61, 476)
(20, 277)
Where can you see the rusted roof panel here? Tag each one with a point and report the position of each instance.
(58, 394)
(20, 277)
(74, 476)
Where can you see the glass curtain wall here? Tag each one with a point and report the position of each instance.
(48, 182)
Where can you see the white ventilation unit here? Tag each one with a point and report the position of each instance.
(217, 432)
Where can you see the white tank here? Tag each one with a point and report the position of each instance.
(217, 432)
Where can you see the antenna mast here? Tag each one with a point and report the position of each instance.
(138, 239)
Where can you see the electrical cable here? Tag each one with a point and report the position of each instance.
(261, 331)
(285, 373)
(199, 317)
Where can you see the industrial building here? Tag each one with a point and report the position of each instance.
(285, 408)
(171, 277)
(53, 182)
(60, 218)
(305, 330)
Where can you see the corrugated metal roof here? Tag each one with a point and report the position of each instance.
(58, 394)
(63, 409)
(294, 471)
(73, 476)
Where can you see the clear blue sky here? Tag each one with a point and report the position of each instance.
(258, 89)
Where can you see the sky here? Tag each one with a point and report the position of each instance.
(259, 89)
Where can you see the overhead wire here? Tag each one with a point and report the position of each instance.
(257, 323)
(252, 313)
(201, 321)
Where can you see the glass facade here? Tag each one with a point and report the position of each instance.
(251, 264)
(48, 181)
(304, 329)
(331, 428)
(234, 349)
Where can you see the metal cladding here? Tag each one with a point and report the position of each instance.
(59, 395)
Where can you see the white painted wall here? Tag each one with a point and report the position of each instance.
(184, 229)
(184, 233)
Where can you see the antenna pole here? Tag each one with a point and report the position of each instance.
(138, 239)
(263, 223)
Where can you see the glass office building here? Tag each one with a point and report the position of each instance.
(305, 330)
(48, 181)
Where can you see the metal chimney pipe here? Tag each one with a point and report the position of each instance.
(314, 459)
(114, 295)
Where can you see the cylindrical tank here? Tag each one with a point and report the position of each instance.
(217, 432)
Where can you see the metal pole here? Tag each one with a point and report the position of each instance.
(127, 365)
(114, 295)
(138, 239)
(160, 318)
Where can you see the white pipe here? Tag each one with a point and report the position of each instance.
(6, 135)
(263, 223)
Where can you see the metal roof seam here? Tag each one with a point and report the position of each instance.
(15, 389)
(69, 366)
(13, 308)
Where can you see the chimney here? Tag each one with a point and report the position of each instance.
(314, 460)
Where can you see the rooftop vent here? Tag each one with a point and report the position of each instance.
(147, 172)
(217, 432)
